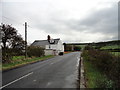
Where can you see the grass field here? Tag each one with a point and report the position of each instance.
(111, 47)
(82, 46)
(115, 53)
(20, 60)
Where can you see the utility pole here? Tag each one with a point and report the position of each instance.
(25, 39)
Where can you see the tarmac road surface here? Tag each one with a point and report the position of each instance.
(57, 72)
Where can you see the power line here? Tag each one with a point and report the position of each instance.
(16, 21)
(12, 20)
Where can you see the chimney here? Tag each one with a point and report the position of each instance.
(48, 38)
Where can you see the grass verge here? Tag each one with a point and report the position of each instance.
(20, 60)
(94, 78)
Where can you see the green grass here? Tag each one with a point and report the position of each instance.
(20, 60)
(82, 46)
(111, 47)
(18, 57)
(115, 53)
(94, 78)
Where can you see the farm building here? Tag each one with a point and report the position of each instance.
(51, 46)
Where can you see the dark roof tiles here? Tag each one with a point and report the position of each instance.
(43, 42)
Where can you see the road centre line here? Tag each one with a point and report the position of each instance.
(16, 80)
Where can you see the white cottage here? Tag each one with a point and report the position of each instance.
(52, 46)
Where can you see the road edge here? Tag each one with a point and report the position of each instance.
(82, 76)
(5, 70)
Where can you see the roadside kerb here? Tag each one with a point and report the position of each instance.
(82, 77)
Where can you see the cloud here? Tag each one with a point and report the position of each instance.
(70, 20)
(103, 21)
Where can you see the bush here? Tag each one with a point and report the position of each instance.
(35, 51)
(106, 63)
(88, 47)
(7, 55)
(68, 48)
(17, 52)
(104, 83)
(77, 48)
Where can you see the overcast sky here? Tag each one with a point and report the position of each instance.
(69, 20)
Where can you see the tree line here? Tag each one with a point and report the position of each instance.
(71, 47)
(12, 44)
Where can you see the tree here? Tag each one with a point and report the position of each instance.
(77, 48)
(9, 33)
(11, 41)
(68, 48)
(18, 44)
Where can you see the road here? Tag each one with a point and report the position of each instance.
(57, 72)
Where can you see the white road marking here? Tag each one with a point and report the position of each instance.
(16, 80)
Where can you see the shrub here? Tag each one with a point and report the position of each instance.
(68, 48)
(18, 52)
(7, 55)
(88, 47)
(77, 48)
(104, 83)
(105, 63)
(35, 51)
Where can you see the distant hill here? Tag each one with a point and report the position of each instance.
(114, 42)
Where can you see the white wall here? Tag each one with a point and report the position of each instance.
(59, 47)
(51, 46)
(49, 52)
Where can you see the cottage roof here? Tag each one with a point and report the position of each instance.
(43, 42)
